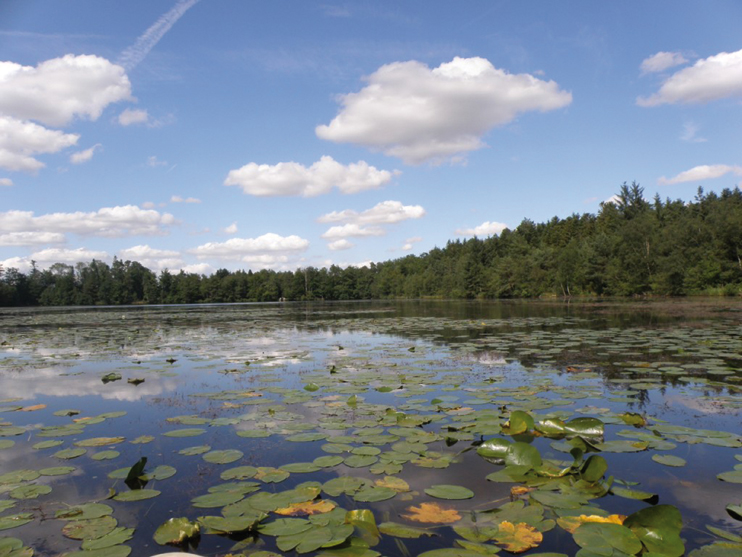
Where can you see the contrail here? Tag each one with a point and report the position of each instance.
(131, 57)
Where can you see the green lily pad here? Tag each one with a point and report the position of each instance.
(105, 455)
(117, 536)
(29, 491)
(239, 473)
(57, 471)
(69, 454)
(185, 432)
(360, 461)
(216, 499)
(137, 495)
(454, 492)
(603, 538)
(734, 476)
(223, 457)
(161, 472)
(374, 494)
(668, 460)
(177, 531)
(229, 525)
(285, 527)
(15, 520)
(306, 437)
(90, 529)
(99, 441)
(658, 528)
(47, 444)
(403, 531)
(84, 512)
(193, 451)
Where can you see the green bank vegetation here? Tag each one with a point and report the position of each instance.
(632, 247)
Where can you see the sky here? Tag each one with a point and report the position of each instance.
(198, 135)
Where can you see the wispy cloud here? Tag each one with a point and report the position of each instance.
(702, 172)
(137, 52)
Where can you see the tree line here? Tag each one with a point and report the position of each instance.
(631, 247)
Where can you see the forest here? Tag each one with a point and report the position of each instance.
(632, 247)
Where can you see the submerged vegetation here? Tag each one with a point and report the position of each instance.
(360, 430)
(631, 247)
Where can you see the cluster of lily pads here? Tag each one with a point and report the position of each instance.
(408, 447)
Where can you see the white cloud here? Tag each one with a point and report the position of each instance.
(6, 182)
(58, 90)
(662, 61)
(417, 114)
(291, 178)
(231, 229)
(338, 245)
(23, 264)
(484, 229)
(409, 243)
(21, 140)
(179, 199)
(352, 230)
(614, 199)
(132, 116)
(148, 205)
(84, 156)
(137, 52)
(246, 249)
(689, 133)
(155, 259)
(31, 238)
(154, 162)
(713, 78)
(386, 212)
(198, 268)
(50, 256)
(702, 172)
(126, 220)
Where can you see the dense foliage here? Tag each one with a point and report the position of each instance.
(631, 247)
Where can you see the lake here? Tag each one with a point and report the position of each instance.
(374, 428)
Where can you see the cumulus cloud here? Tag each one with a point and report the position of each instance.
(179, 199)
(156, 259)
(126, 220)
(84, 156)
(352, 230)
(419, 114)
(338, 245)
(58, 90)
(50, 256)
(231, 229)
(702, 172)
(291, 178)
(132, 116)
(713, 78)
(386, 212)
(198, 268)
(662, 61)
(248, 249)
(21, 140)
(31, 238)
(137, 52)
(409, 243)
(6, 182)
(485, 229)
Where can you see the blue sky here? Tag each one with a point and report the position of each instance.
(210, 134)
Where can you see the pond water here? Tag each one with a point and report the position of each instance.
(379, 428)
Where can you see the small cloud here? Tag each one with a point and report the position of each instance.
(702, 172)
(154, 162)
(409, 243)
(199, 269)
(386, 212)
(689, 133)
(338, 245)
(613, 200)
(231, 229)
(662, 61)
(6, 182)
(84, 156)
(710, 79)
(590, 200)
(132, 116)
(294, 179)
(484, 229)
(352, 231)
(179, 199)
(148, 205)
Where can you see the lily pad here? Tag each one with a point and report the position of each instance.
(443, 491)
(90, 529)
(223, 457)
(177, 531)
(137, 495)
